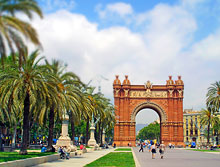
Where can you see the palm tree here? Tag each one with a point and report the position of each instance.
(213, 95)
(98, 104)
(101, 115)
(101, 105)
(208, 118)
(106, 116)
(109, 120)
(216, 130)
(67, 98)
(89, 108)
(74, 120)
(15, 118)
(26, 85)
(11, 113)
(12, 28)
(85, 112)
(4, 117)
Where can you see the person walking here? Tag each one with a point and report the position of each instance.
(170, 145)
(149, 147)
(141, 147)
(162, 149)
(153, 150)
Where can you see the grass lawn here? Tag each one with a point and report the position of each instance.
(116, 159)
(123, 149)
(208, 150)
(11, 156)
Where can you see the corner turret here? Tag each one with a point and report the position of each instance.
(179, 81)
(126, 81)
(170, 81)
(117, 81)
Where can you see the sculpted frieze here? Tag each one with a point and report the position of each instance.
(145, 94)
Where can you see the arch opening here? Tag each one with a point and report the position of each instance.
(147, 116)
(148, 126)
(153, 106)
(149, 105)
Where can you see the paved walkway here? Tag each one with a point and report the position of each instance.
(178, 158)
(78, 161)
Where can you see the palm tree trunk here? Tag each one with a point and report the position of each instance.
(29, 127)
(51, 127)
(72, 127)
(87, 130)
(208, 132)
(101, 133)
(23, 150)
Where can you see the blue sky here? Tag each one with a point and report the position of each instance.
(206, 12)
(87, 6)
(146, 39)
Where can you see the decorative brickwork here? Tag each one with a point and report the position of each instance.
(166, 100)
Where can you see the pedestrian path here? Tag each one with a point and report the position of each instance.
(78, 161)
(177, 158)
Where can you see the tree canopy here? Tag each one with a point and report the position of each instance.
(151, 132)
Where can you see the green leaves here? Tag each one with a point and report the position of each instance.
(49, 89)
(152, 131)
(213, 96)
(209, 118)
(13, 29)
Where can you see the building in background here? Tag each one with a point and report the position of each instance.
(194, 131)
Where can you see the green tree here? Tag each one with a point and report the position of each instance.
(26, 85)
(89, 105)
(106, 118)
(67, 97)
(209, 119)
(97, 107)
(213, 95)
(209, 116)
(83, 114)
(15, 119)
(151, 132)
(12, 28)
(11, 113)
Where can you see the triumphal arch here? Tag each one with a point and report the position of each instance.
(166, 100)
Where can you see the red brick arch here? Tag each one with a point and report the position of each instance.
(162, 114)
(166, 100)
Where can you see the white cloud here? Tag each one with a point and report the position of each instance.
(161, 49)
(191, 3)
(120, 8)
(169, 28)
(208, 48)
